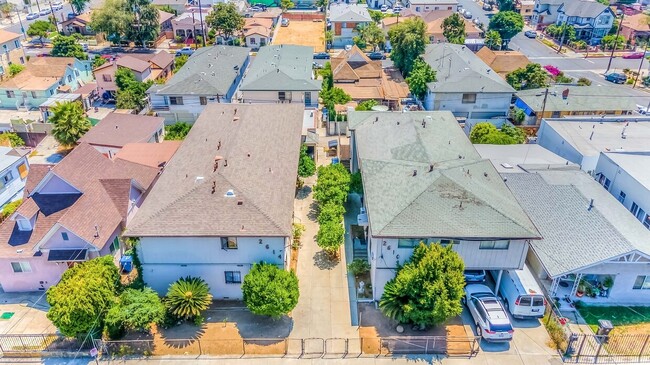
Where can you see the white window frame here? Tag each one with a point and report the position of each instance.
(494, 245)
(645, 284)
(24, 266)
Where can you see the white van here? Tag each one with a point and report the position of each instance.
(521, 294)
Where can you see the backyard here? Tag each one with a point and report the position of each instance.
(304, 33)
(626, 320)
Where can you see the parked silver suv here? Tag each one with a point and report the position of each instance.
(492, 322)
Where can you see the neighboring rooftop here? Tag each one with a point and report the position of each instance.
(558, 203)
(582, 8)
(590, 137)
(638, 22)
(282, 67)
(40, 73)
(419, 167)
(6, 36)
(522, 158)
(344, 12)
(148, 154)
(231, 176)
(580, 98)
(116, 130)
(209, 71)
(8, 156)
(459, 70)
(433, 2)
(503, 62)
(637, 165)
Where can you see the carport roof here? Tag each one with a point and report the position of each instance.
(574, 236)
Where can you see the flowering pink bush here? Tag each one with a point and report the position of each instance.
(554, 71)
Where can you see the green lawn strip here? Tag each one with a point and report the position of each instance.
(619, 315)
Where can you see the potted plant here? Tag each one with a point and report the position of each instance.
(608, 282)
(581, 288)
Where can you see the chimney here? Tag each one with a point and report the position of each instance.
(430, 168)
(565, 94)
(415, 172)
(214, 186)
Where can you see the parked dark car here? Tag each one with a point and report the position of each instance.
(376, 56)
(322, 56)
(616, 78)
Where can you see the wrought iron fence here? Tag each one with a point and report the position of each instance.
(588, 348)
(38, 344)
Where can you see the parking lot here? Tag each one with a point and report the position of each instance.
(304, 33)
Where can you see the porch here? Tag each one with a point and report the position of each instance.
(592, 289)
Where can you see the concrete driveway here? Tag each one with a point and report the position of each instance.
(28, 317)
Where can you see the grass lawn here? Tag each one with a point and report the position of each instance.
(620, 316)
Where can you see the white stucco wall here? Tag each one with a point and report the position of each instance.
(487, 105)
(548, 138)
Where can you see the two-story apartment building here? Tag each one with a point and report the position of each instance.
(13, 173)
(11, 50)
(591, 19)
(464, 84)
(545, 13)
(281, 74)
(145, 67)
(346, 19)
(431, 5)
(72, 212)
(188, 25)
(211, 75)
(42, 78)
(225, 200)
(423, 181)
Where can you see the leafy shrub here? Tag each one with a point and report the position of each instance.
(583, 81)
(359, 267)
(188, 297)
(177, 131)
(15, 68)
(270, 291)
(10, 208)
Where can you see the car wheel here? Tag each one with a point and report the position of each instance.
(479, 331)
(463, 300)
(506, 304)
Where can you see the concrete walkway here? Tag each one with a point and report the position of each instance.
(323, 310)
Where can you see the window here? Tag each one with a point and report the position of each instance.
(176, 100)
(21, 267)
(646, 221)
(282, 95)
(414, 242)
(640, 215)
(107, 78)
(17, 44)
(641, 282)
(7, 178)
(446, 242)
(494, 245)
(469, 98)
(621, 196)
(525, 301)
(65, 237)
(24, 225)
(69, 78)
(233, 277)
(538, 302)
(34, 94)
(22, 170)
(634, 209)
(555, 114)
(607, 183)
(252, 40)
(229, 243)
(115, 245)
(22, 60)
(10, 94)
(203, 100)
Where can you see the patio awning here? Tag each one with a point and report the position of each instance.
(67, 255)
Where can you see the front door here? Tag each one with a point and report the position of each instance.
(308, 98)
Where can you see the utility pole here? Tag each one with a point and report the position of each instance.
(22, 28)
(203, 32)
(645, 49)
(53, 15)
(562, 38)
(194, 26)
(543, 105)
(611, 56)
(38, 6)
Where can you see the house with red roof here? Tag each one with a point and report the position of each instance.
(145, 67)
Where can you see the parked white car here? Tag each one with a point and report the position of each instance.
(521, 294)
(492, 322)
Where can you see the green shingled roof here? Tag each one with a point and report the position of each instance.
(283, 68)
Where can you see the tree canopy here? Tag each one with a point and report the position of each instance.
(420, 76)
(332, 184)
(130, 20)
(145, 27)
(334, 96)
(428, 289)
(12, 139)
(70, 122)
(78, 6)
(131, 93)
(79, 302)
(493, 40)
(270, 291)
(225, 19)
(40, 29)
(487, 133)
(177, 131)
(409, 41)
(135, 310)
(366, 105)
(453, 28)
(532, 76)
(286, 5)
(507, 23)
(306, 165)
(372, 35)
(65, 46)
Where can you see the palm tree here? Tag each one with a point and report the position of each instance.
(493, 40)
(187, 297)
(69, 121)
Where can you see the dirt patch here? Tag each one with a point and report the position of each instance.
(457, 343)
(304, 33)
(633, 329)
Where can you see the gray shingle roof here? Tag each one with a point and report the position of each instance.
(342, 12)
(582, 8)
(210, 71)
(581, 98)
(575, 237)
(454, 193)
(257, 152)
(282, 68)
(459, 70)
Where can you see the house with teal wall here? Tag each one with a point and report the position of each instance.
(42, 78)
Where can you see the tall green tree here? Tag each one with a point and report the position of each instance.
(78, 6)
(6, 9)
(80, 301)
(286, 5)
(453, 28)
(507, 23)
(306, 165)
(131, 93)
(532, 76)
(112, 19)
(64, 46)
(428, 289)
(372, 35)
(145, 27)
(331, 212)
(270, 291)
(330, 236)
(130, 20)
(493, 40)
(177, 131)
(487, 133)
(70, 122)
(420, 76)
(40, 29)
(332, 184)
(188, 297)
(135, 310)
(408, 40)
(506, 5)
(334, 96)
(225, 19)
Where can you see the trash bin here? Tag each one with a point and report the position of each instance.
(126, 263)
(604, 327)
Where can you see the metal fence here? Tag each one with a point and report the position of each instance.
(587, 348)
(298, 348)
(39, 344)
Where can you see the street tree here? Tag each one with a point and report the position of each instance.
(65, 46)
(428, 289)
(453, 29)
(372, 35)
(78, 6)
(532, 76)
(286, 5)
(507, 23)
(487, 133)
(70, 122)
(130, 20)
(40, 29)
(225, 19)
(79, 302)
(493, 40)
(135, 310)
(187, 297)
(6, 9)
(306, 165)
(420, 76)
(332, 184)
(145, 27)
(270, 291)
(409, 41)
